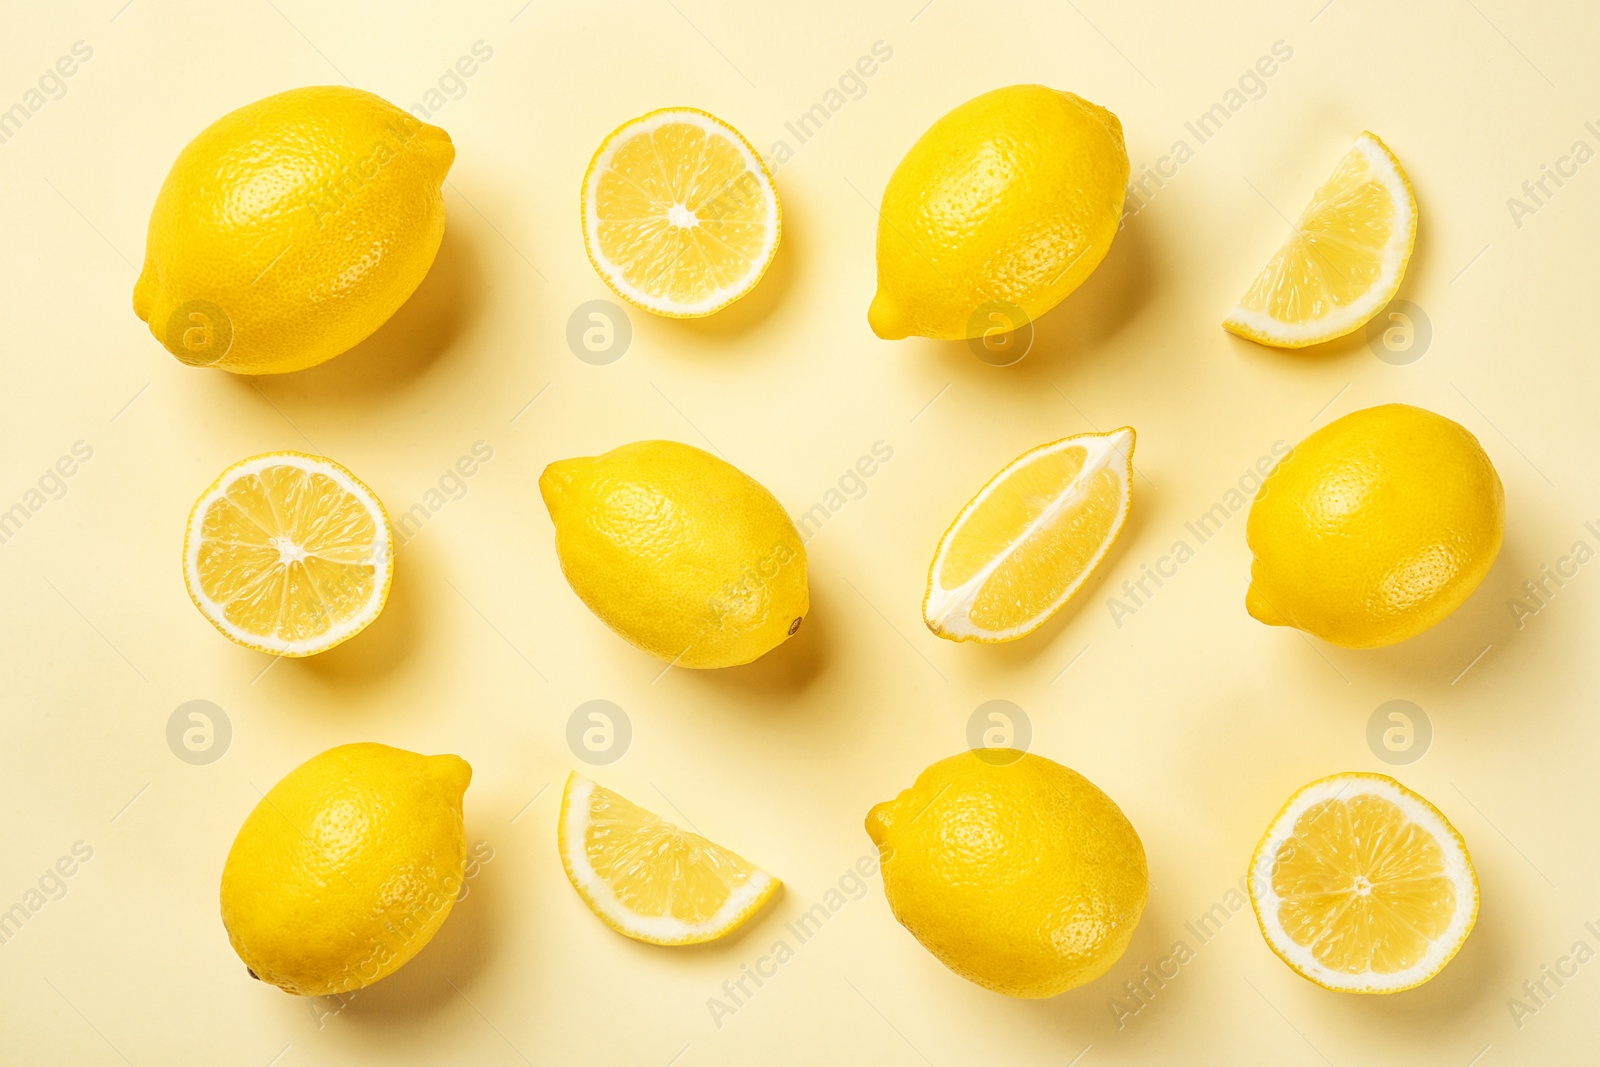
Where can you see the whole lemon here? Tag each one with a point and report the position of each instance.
(346, 868)
(1016, 872)
(292, 228)
(1374, 528)
(1002, 208)
(679, 552)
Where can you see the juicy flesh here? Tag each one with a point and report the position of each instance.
(656, 869)
(680, 215)
(1362, 887)
(287, 553)
(1035, 565)
(1337, 251)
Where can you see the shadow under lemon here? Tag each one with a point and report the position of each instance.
(378, 651)
(781, 677)
(1024, 650)
(1443, 652)
(1474, 985)
(1077, 328)
(739, 318)
(1354, 342)
(460, 950)
(402, 350)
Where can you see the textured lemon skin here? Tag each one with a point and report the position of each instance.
(1014, 196)
(1022, 877)
(346, 868)
(678, 551)
(298, 224)
(1374, 528)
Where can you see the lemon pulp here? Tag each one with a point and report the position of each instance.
(289, 554)
(1026, 542)
(680, 214)
(1363, 885)
(1344, 259)
(648, 879)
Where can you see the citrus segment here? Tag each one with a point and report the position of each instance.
(1026, 542)
(646, 878)
(1344, 259)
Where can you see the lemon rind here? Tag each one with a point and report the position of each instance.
(1264, 329)
(383, 556)
(612, 276)
(741, 904)
(1458, 867)
(944, 610)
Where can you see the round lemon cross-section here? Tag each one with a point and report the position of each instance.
(288, 554)
(680, 215)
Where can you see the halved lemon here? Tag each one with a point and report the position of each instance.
(1362, 886)
(1344, 260)
(1030, 538)
(288, 554)
(680, 216)
(648, 879)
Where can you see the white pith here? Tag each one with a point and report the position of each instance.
(591, 216)
(1261, 325)
(382, 558)
(660, 929)
(1458, 869)
(948, 608)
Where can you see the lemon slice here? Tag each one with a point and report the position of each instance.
(680, 215)
(1030, 537)
(1361, 885)
(1344, 260)
(288, 554)
(648, 879)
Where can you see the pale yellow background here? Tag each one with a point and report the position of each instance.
(1196, 719)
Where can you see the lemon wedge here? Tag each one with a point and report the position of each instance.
(288, 554)
(1030, 538)
(1362, 886)
(648, 879)
(680, 216)
(1344, 259)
